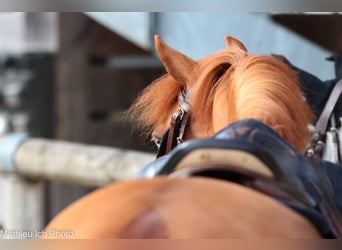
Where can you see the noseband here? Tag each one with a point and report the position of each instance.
(174, 135)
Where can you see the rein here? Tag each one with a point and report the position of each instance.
(174, 135)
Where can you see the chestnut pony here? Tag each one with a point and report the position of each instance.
(221, 88)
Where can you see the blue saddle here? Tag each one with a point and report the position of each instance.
(250, 153)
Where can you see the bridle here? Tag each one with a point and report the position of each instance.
(174, 135)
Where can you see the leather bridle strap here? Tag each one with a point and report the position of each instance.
(174, 135)
(178, 123)
(322, 123)
(321, 127)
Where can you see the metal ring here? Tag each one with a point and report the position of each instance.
(181, 113)
(179, 140)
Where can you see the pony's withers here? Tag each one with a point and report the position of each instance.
(224, 87)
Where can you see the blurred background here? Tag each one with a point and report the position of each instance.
(71, 76)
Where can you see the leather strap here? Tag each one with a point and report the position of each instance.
(335, 140)
(178, 123)
(322, 123)
(316, 148)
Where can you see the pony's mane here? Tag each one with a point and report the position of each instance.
(213, 71)
(265, 88)
(257, 86)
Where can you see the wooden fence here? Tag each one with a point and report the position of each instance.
(25, 162)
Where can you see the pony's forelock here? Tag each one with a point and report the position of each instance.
(154, 103)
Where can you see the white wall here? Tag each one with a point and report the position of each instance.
(199, 34)
(22, 32)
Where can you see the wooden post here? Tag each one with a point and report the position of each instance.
(23, 207)
(77, 163)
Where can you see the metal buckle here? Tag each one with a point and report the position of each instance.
(179, 114)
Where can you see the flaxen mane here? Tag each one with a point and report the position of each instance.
(229, 85)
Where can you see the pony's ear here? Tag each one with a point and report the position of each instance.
(232, 42)
(179, 66)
